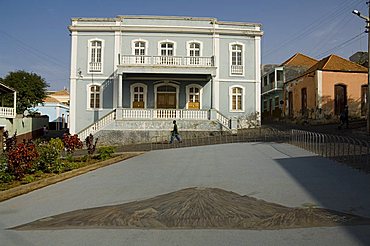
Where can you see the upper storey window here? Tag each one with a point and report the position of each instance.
(166, 52)
(194, 52)
(139, 50)
(236, 57)
(96, 55)
(167, 49)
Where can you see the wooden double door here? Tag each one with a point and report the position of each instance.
(166, 100)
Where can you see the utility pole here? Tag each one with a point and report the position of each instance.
(367, 19)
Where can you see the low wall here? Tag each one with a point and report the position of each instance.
(26, 127)
(123, 137)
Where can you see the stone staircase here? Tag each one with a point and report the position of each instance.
(121, 132)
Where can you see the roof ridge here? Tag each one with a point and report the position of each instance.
(327, 61)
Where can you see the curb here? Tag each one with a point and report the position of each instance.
(26, 188)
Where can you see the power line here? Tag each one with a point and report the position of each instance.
(342, 7)
(39, 54)
(341, 45)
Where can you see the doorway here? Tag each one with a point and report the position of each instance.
(290, 104)
(166, 97)
(340, 96)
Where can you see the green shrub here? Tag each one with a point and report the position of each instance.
(3, 162)
(105, 152)
(71, 165)
(49, 156)
(6, 177)
(28, 179)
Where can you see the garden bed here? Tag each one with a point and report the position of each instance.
(38, 180)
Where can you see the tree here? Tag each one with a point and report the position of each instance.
(30, 87)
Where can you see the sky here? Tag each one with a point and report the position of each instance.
(34, 35)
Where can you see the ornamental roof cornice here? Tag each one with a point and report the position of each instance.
(166, 29)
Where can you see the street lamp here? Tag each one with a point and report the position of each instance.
(367, 19)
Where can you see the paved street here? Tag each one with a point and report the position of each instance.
(278, 173)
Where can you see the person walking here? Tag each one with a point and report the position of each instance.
(175, 133)
(344, 117)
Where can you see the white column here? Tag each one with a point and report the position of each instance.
(257, 68)
(216, 81)
(119, 91)
(319, 88)
(73, 86)
(15, 103)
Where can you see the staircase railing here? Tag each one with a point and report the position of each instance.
(98, 125)
(224, 121)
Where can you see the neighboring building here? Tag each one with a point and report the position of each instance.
(361, 58)
(149, 70)
(26, 127)
(56, 106)
(322, 92)
(62, 96)
(272, 82)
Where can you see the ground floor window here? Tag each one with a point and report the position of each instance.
(94, 96)
(138, 95)
(193, 96)
(236, 98)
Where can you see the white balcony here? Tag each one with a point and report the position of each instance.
(172, 61)
(163, 114)
(95, 67)
(6, 112)
(237, 69)
(274, 86)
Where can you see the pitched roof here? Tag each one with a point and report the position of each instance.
(337, 63)
(50, 100)
(60, 93)
(300, 60)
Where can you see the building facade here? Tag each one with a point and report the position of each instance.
(163, 68)
(323, 91)
(57, 112)
(273, 79)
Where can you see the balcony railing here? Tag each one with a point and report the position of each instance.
(95, 67)
(273, 86)
(177, 61)
(237, 69)
(162, 114)
(6, 112)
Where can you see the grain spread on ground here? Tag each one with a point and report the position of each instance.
(197, 208)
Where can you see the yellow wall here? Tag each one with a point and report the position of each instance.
(353, 82)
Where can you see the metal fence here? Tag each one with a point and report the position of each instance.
(351, 151)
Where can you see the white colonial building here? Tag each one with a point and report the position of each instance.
(138, 73)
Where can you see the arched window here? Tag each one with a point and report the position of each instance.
(138, 95)
(236, 59)
(139, 50)
(95, 56)
(193, 96)
(167, 49)
(194, 53)
(94, 96)
(236, 98)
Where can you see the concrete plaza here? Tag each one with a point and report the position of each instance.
(274, 172)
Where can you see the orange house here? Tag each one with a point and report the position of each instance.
(322, 92)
